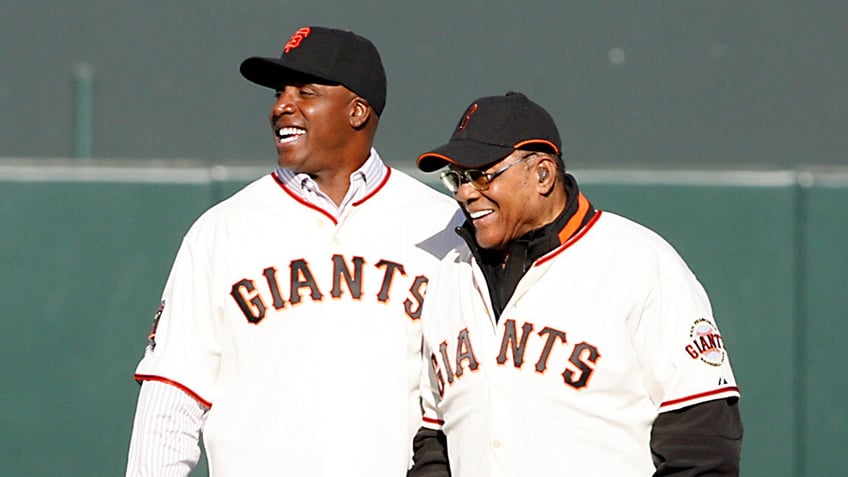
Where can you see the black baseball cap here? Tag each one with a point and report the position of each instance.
(335, 56)
(490, 129)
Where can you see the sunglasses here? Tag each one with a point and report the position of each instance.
(478, 179)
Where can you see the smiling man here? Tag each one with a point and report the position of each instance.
(560, 339)
(288, 333)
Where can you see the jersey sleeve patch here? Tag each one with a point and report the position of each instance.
(151, 337)
(705, 343)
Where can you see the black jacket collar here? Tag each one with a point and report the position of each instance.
(502, 275)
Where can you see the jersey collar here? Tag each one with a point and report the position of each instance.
(502, 276)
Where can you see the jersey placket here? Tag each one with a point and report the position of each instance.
(504, 391)
(485, 300)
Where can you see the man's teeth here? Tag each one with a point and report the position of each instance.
(479, 213)
(289, 133)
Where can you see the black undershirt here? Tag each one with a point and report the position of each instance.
(503, 270)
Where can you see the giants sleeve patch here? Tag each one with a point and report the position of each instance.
(706, 343)
(151, 337)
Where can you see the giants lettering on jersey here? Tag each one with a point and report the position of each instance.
(576, 372)
(253, 300)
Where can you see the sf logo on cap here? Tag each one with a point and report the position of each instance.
(295, 39)
(464, 124)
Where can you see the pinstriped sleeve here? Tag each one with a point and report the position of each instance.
(166, 432)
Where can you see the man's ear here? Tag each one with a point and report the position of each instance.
(360, 113)
(546, 175)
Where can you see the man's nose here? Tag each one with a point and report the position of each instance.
(285, 103)
(466, 192)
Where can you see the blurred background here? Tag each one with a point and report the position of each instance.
(722, 125)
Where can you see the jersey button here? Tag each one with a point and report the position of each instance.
(336, 241)
(496, 443)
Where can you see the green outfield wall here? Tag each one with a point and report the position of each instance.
(86, 247)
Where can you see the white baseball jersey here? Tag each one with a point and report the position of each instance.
(600, 335)
(301, 331)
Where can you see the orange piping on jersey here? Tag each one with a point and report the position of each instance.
(575, 220)
(433, 421)
(376, 189)
(726, 389)
(573, 223)
(300, 199)
(148, 377)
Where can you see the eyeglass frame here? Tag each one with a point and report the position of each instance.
(463, 177)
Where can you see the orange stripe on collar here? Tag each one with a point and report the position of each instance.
(576, 220)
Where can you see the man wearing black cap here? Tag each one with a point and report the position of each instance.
(289, 327)
(560, 339)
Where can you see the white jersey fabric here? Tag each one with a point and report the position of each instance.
(600, 336)
(300, 330)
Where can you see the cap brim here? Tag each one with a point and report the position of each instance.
(466, 154)
(270, 72)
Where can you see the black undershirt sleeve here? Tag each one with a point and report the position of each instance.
(700, 440)
(430, 454)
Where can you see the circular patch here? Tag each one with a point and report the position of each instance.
(706, 343)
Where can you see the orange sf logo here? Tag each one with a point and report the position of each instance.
(295, 39)
(471, 110)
